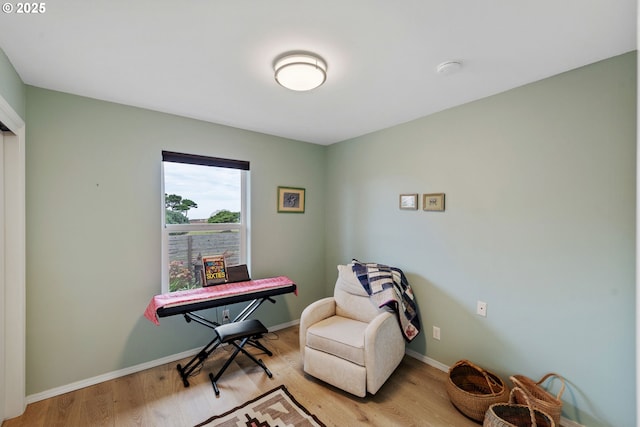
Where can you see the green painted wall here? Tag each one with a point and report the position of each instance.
(93, 231)
(11, 87)
(539, 223)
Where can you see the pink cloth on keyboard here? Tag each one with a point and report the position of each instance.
(211, 293)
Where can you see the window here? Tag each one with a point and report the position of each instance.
(204, 213)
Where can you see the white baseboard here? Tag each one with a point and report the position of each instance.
(108, 376)
(127, 371)
(284, 325)
(564, 422)
(429, 361)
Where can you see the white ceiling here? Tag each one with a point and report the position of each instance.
(213, 59)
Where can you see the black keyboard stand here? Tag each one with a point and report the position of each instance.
(198, 360)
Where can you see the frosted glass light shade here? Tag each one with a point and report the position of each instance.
(300, 72)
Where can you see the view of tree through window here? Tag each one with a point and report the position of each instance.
(202, 218)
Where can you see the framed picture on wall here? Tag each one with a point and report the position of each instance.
(433, 202)
(291, 200)
(409, 201)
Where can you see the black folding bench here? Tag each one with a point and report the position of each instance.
(238, 334)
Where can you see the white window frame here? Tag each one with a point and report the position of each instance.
(242, 227)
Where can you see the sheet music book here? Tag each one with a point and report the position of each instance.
(215, 270)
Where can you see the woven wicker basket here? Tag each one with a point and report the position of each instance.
(540, 398)
(472, 389)
(515, 415)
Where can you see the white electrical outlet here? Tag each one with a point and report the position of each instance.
(225, 316)
(481, 309)
(436, 333)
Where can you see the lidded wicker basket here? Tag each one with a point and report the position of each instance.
(515, 415)
(539, 397)
(473, 390)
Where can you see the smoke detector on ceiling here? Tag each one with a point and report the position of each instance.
(449, 67)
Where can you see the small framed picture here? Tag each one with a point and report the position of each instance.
(433, 202)
(291, 199)
(409, 201)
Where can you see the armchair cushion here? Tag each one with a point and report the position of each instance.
(339, 336)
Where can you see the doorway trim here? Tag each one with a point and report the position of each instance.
(14, 279)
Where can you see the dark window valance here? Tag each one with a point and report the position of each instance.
(195, 159)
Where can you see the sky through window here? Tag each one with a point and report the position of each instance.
(212, 188)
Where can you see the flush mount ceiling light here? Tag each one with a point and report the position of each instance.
(300, 72)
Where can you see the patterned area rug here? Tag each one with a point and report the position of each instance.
(274, 408)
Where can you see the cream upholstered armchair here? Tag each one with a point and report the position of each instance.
(348, 342)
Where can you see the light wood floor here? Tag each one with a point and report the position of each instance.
(414, 395)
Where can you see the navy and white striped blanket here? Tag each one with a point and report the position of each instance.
(388, 286)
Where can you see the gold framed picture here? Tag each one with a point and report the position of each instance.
(409, 201)
(291, 200)
(433, 202)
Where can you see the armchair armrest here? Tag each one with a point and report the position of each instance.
(313, 313)
(384, 348)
